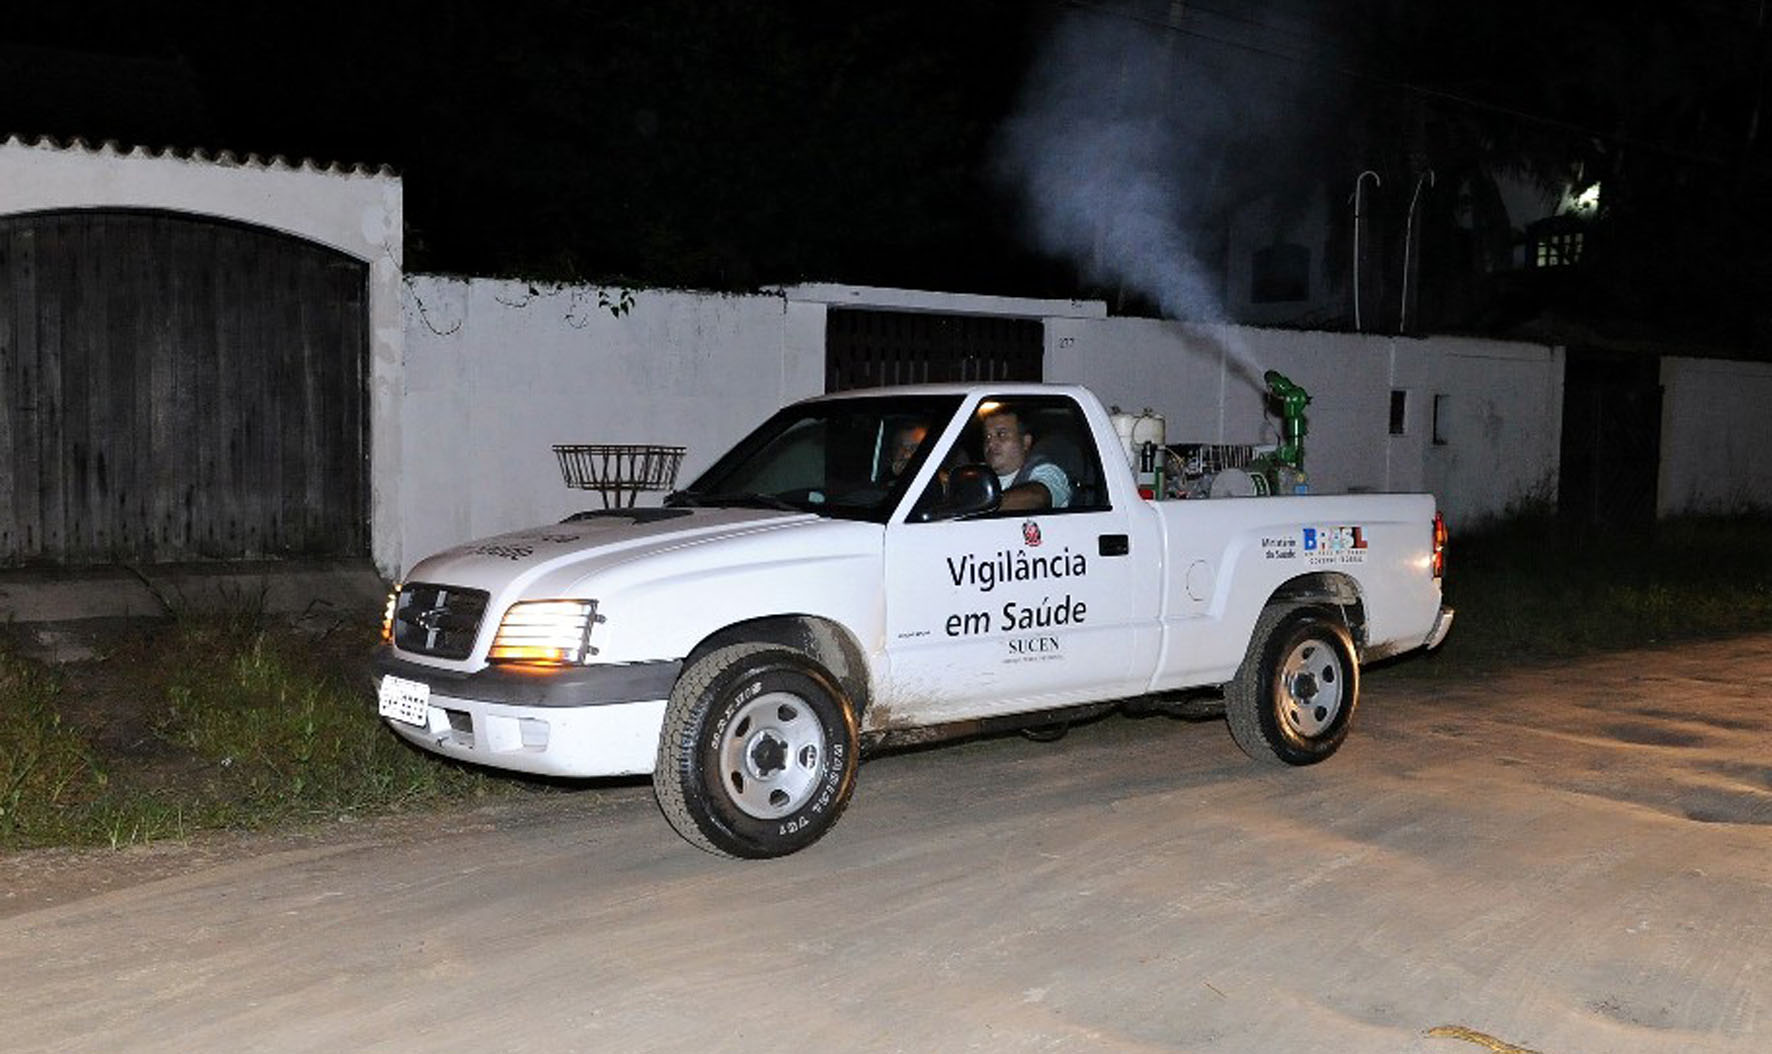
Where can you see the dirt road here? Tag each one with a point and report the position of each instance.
(1571, 861)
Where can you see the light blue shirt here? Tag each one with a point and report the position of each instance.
(1047, 475)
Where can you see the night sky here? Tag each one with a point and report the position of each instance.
(729, 145)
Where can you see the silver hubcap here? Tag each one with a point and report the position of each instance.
(1311, 689)
(772, 755)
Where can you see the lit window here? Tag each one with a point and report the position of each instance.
(1557, 250)
(1555, 241)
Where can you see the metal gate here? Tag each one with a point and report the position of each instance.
(1611, 449)
(867, 348)
(178, 389)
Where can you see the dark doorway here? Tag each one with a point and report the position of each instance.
(868, 349)
(1611, 451)
(178, 389)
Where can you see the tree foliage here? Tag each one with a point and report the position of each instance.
(1654, 102)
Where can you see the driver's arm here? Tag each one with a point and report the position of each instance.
(1029, 495)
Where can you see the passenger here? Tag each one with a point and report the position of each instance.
(905, 443)
(1028, 482)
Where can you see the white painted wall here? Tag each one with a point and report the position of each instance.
(497, 372)
(1716, 433)
(1501, 419)
(880, 298)
(357, 212)
(472, 381)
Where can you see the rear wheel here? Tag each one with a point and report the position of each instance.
(758, 754)
(1294, 695)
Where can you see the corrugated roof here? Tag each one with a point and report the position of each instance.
(224, 158)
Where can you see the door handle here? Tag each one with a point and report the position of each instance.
(1114, 544)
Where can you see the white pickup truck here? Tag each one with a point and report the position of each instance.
(812, 591)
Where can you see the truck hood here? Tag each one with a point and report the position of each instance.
(597, 539)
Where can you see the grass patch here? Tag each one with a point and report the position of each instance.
(207, 722)
(1533, 589)
(48, 775)
(282, 737)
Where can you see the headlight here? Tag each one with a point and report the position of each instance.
(387, 616)
(546, 631)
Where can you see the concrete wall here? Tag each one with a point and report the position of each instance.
(1716, 432)
(497, 372)
(1500, 428)
(887, 299)
(472, 381)
(1500, 403)
(357, 212)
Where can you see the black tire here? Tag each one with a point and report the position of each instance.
(758, 754)
(1294, 696)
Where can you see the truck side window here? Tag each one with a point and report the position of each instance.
(1061, 437)
(1053, 442)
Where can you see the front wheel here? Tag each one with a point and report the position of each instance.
(758, 754)
(1294, 695)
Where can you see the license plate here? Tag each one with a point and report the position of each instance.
(405, 701)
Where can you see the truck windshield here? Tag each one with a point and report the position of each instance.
(845, 458)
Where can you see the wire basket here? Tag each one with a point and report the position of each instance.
(1207, 459)
(619, 471)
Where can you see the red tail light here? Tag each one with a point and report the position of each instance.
(1439, 559)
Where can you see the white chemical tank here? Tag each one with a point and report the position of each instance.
(1135, 430)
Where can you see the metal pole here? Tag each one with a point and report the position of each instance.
(1408, 234)
(1359, 183)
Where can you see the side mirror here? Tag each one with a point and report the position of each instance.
(971, 490)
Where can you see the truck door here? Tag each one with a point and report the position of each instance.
(1022, 608)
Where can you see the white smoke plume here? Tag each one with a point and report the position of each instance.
(1099, 154)
(1131, 137)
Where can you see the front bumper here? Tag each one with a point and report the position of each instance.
(581, 721)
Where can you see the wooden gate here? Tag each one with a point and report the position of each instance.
(178, 389)
(866, 349)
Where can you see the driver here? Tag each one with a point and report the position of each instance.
(1028, 482)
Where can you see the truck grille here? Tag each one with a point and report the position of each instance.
(440, 621)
